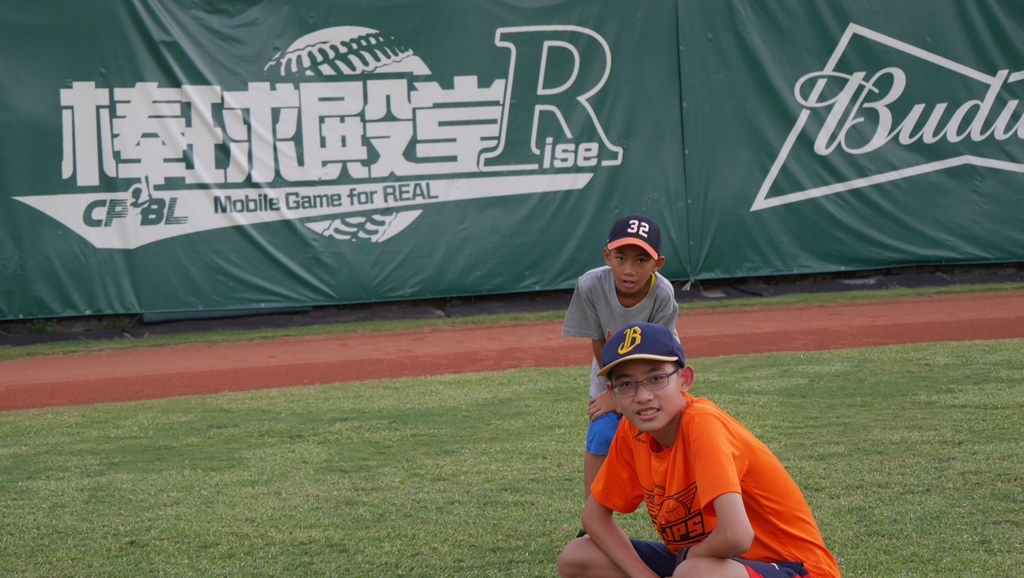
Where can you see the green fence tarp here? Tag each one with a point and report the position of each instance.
(171, 155)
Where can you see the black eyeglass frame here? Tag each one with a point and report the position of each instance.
(644, 382)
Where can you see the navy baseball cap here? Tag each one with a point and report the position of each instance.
(640, 341)
(636, 230)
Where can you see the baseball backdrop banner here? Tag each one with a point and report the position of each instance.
(182, 155)
(187, 155)
(837, 136)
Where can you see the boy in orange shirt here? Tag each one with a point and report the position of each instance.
(723, 504)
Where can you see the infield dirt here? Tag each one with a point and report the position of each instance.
(152, 373)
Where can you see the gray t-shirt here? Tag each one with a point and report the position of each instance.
(594, 312)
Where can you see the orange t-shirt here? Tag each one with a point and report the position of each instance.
(713, 454)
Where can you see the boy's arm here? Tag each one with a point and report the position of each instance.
(732, 536)
(613, 542)
(605, 402)
(581, 319)
(598, 345)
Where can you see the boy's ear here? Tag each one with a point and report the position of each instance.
(607, 257)
(686, 375)
(659, 263)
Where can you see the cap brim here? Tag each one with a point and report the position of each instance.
(633, 241)
(604, 370)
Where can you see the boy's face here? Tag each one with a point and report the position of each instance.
(654, 412)
(632, 268)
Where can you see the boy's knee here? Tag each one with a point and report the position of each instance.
(572, 560)
(698, 567)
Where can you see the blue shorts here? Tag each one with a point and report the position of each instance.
(600, 433)
(658, 558)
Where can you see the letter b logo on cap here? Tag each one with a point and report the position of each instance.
(631, 340)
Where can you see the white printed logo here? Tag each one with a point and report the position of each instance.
(353, 136)
(867, 115)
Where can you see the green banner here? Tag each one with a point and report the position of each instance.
(837, 136)
(180, 155)
(171, 155)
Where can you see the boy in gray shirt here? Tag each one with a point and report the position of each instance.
(628, 289)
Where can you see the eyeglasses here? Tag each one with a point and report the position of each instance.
(652, 383)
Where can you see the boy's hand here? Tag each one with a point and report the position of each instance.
(601, 404)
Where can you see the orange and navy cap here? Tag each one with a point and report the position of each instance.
(640, 341)
(636, 230)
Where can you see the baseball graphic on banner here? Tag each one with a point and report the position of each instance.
(351, 50)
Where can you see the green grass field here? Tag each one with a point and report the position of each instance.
(911, 457)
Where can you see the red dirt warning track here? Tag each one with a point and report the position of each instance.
(200, 369)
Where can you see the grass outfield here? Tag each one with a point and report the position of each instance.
(911, 457)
